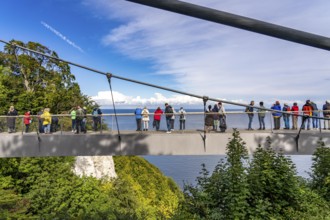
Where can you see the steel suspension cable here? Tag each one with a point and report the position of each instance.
(114, 108)
(20, 68)
(157, 86)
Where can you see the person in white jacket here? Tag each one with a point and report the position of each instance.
(222, 117)
(173, 119)
(145, 118)
(182, 114)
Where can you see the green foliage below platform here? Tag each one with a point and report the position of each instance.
(46, 188)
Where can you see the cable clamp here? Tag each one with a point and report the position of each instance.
(109, 75)
(205, 99)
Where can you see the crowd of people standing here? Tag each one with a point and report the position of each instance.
(142, 117)
(215, 117)
(48, 123)
(309, 113)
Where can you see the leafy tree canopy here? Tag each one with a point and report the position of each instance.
(30, 81)
(267, 187)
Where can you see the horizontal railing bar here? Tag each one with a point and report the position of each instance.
(177, 113)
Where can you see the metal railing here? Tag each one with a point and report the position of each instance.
(127, 122)
(195, 121)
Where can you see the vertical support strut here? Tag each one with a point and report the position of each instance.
(205, 99)
(109, 75)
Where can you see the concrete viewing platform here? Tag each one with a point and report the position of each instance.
(153, 143)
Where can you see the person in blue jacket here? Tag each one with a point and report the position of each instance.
(277, 115)
(250, 112)
(138, 118)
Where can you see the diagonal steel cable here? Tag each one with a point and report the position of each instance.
(157, 86)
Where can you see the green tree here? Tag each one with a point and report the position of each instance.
(273, 182)
(12, 205)
(49, 189)
(320, 175)
(156, 196)
(7, 89)
(224, 194)
(265, 188)
(35, 81)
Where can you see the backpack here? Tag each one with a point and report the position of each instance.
(79, 114)
(145, 113)
(182, 116)
(223, 125)
(169, 112)
(286, 109)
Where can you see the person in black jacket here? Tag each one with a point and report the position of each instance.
(249, 110)
(168, 115)
(97, 114)
(11, 119)
(209, 119)
(326, 114)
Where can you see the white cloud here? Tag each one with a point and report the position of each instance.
(103, 98)
(213, 59)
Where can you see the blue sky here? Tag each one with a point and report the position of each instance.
(180, 52)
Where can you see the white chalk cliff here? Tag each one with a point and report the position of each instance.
(95, 166)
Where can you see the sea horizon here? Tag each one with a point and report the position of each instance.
(185, 169)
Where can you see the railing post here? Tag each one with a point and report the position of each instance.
(101, 129)
(111, 123)
(271, 122)
(22, 125)
(61, 125)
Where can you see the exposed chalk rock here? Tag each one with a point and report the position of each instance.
(95, 166)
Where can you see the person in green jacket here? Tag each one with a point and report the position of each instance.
(73, 114)
(261, 116)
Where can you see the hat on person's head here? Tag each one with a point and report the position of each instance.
(84, 107)
(181, 108)
(308, 101)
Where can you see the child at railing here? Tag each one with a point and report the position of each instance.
(27, 121)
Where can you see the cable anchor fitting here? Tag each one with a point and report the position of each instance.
(109, 75)
(205, 99)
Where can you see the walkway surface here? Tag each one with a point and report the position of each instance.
(153, 143)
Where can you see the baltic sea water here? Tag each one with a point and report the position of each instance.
(185, 169)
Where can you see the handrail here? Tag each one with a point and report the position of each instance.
(175, 113)
(192, 122)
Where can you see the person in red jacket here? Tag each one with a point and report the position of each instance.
(295, 111)
(27, 121)
(157, 116)
(307, 111)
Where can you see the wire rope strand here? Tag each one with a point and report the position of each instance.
(298, 135)
(114, 108)
(160, 87)
(20, 68)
